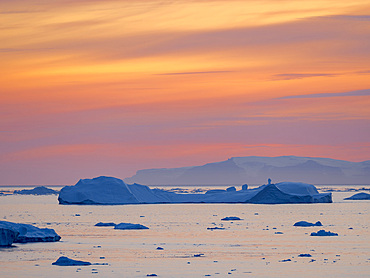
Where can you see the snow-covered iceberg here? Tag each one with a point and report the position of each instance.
(39, 190)
(359, 196)
(28, 233)
(113, 191)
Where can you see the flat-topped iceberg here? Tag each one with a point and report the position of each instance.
(113, 191)
(130, 226)
(39, 190)
(26, 233)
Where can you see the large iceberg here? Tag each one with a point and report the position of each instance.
(26, 233)
(113, 191)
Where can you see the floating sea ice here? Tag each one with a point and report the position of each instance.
(198, 255)
(215, 228)
(307, 224)
(160, 248)
(64, 261)
(152, 275)
(323, 233)
(231, 218)
(359, 196)
(130, 226)
(304, 255)
(102, 224)
(29, 233)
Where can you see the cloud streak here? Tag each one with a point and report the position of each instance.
(357, 93)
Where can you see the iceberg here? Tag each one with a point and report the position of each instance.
(323, 233)
(7, 236)
(113, 191)
(65, 261)
(100, 190)
(307, 224)
(359, 196)
(40, 190)
(28, 233)
(231, 218)
(130, 226)
(103, 224)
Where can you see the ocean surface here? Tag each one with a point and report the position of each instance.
(263, 244)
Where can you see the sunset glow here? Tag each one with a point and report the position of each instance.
(91, 88)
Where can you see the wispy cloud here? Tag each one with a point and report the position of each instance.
(289, 76)
(365, 92)
(196, 72)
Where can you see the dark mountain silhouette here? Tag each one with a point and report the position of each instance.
(256, 170)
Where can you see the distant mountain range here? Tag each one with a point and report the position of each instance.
(256, 170)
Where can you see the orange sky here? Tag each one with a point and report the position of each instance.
(91, 88)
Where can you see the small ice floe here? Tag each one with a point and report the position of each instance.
(130, 226)
(215, 228)
(304, 255)
(198, 255)
(151, 275)
(64, 261)
(103, 224)
(26, 233)
(279, 233)
(160, 248)
(231, 218)
(287, 260)
(323, 233)
(359, 196)
(307, 224)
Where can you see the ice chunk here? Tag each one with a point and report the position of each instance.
(7, 236)
(102, 224)
(307, 224)
(29, 233)
(359, 196)
(130, 226)
(215, 228)
(231, 218)
(64, 261)
(323, 233)
(231, 189)
(304, 255)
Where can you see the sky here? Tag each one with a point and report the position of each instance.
(91, 88)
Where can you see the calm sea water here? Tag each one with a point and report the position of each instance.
(247, 248)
